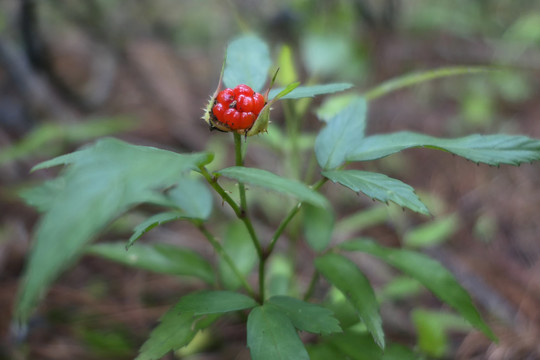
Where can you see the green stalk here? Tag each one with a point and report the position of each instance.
(212, 180)
(292, 213)
(283, 225)
(239, 161)
(221, 252)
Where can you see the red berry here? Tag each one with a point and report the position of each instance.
(218, 111)
(244, 103)
(243, 90)
(258, 103)
(238, 108)
(231, 118)
(247, 119)
(225, 97)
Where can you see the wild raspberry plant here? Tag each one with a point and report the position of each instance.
(105, 180)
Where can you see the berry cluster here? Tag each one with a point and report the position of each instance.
(238, 108)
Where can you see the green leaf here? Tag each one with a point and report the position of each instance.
(332, 105)
(306, 316)
(175, 331)
(345, 275)
(101, 182)
(372, 216)
(420, 77)
(151, 223)
(287, 68)
(50, 135)
(432, 233)
(272, 336)
(41, 197)
(282, 93)
(379, 187)
(262, 121)
(159, 258)
(212, 302)
(311, 91)
(399, 352)
(318, 226)
(432, 328)
(355, 346)
(428, 272)
(324, 351)
(270, 181)
(193, 197)
(400, 288)
(341, 135)
(238, 245)
(489, 149)
(358, 346)
(248, 62)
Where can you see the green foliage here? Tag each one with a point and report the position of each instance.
(432, 329)
(100, 183)
(105, 180)
(247, 62)
(357, 346)
(261, 124)
(428, 272)
(345, 275)
(270, 181)
(378, 187)
(271, 335)
(281, 277)
(318, 226)
(151, 223)
(237, 244)
(488, 149)
(335, 141)
(400, 287)
(432, 233)
(420, 77)
(214, 302)
(160, 258)
(305, 316)
(310, 91)
(175, 330)
(45, 136)
(193, 198)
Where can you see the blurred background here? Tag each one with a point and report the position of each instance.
(72, 71)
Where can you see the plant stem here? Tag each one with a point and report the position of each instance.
(239, 161)
(219, 249)
(292, 213)
(283, 225)
(290, 216)
(212, 180)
